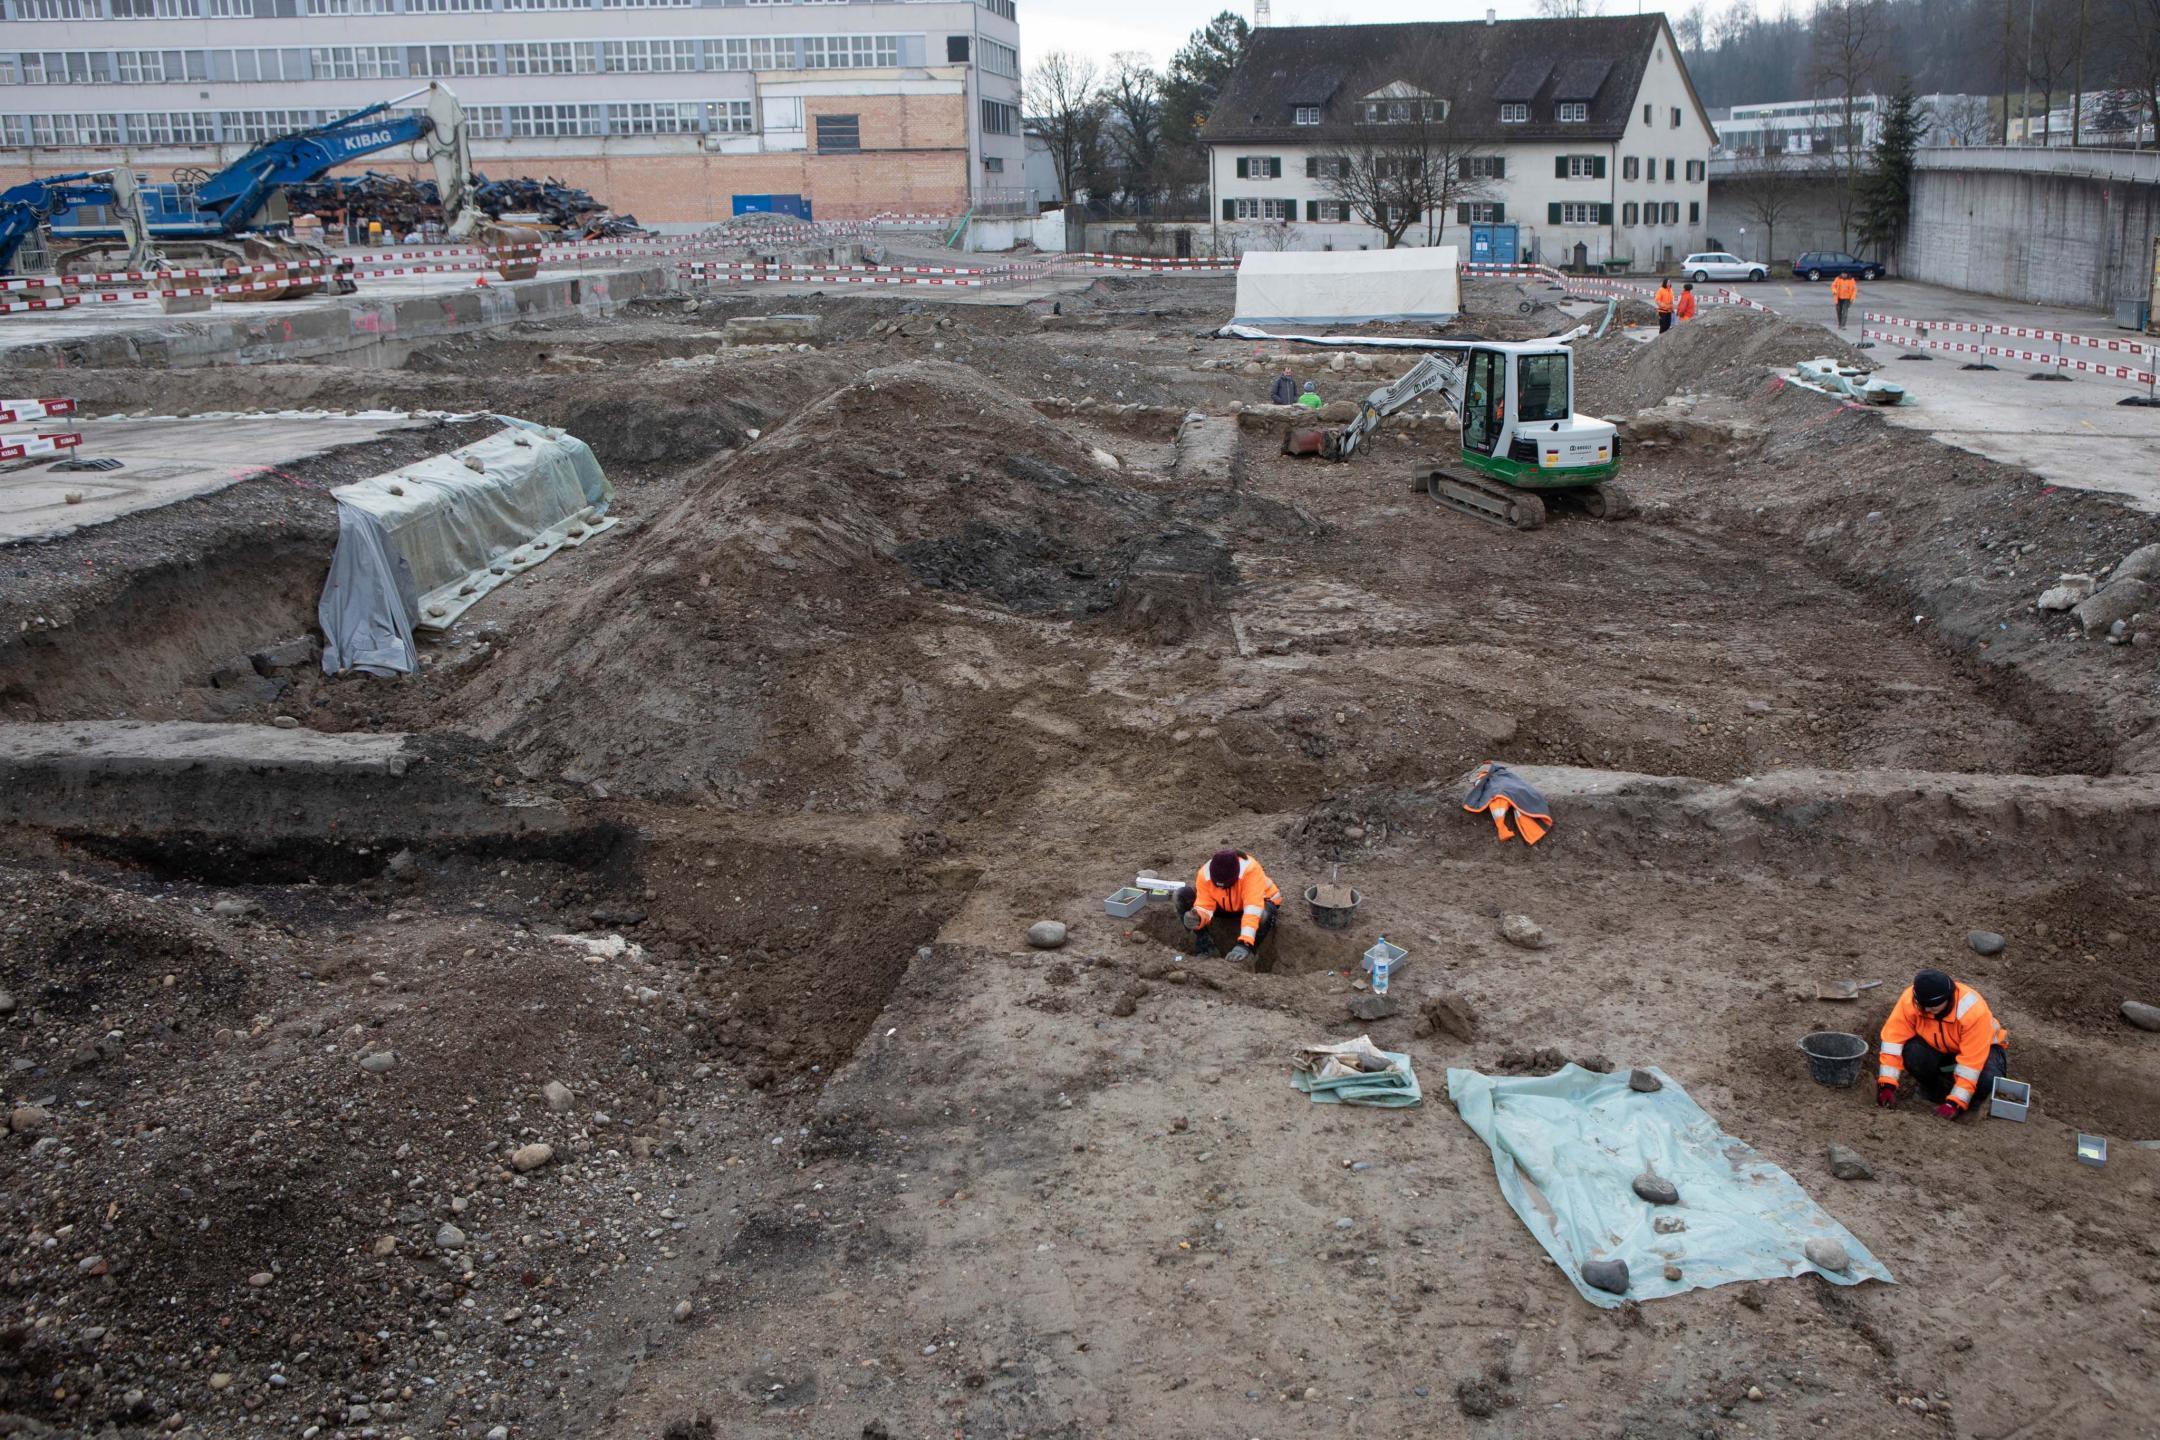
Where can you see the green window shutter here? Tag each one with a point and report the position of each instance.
(1312, 211)
(1552, 213)
(1559, 167)
(1604, 214)
(1694, 212)
(1499, 213)
(1597, 167)
(1462, 214)
(1244, 168)
(1229, 209)
(1499, 167)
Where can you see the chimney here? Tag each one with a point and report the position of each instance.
(1492, 17)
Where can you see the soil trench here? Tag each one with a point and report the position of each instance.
(661, 1049)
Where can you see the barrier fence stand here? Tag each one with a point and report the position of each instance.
(14, 412)
(2054, 363)
(15, 447)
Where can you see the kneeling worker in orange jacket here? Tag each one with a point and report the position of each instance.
(1231, 885)
(1944, 1035)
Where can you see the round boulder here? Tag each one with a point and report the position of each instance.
(1046, 934)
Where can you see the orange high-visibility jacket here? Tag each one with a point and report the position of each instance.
(1844, 288)
(1966, 1032)
(1664, 299)
(1686, 309)
(1246, 895)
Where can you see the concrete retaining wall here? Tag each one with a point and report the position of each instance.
(2051, 238)
(1809, 223)
(360, 329)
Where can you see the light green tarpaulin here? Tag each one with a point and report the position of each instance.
(1567, 1147)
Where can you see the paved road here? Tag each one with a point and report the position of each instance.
(2072, 432)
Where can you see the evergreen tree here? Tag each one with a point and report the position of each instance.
(1886, 189)
(1198, 72)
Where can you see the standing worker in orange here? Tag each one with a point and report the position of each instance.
(1231, 884)
(1685, 310)
(1844, 289)
(1943, 1033)
(1664, 303)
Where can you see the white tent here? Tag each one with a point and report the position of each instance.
(420, 546)
(1329, 287)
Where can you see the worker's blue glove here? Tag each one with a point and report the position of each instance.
(1239, 954)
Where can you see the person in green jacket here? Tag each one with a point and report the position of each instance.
(1311, 398)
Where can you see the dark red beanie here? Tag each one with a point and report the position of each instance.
(1222, 868)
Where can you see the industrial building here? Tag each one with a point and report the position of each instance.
(677, 112)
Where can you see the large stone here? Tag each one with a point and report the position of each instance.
(1827, 1254)
(379, 1062)
(1046, 934)
(776, 329)
(449, 1237)
(1523, 931)
(2116, 600)
(1846, 1164)
(29, 1120)
(2142, 563)
(1985, 942)
(2145, 1017)
(1656, 1189)
(1608, 1275)
(1371, 1007)
(558, 1096)
(531, 1157)
(2066, 592)
(1644, 1081)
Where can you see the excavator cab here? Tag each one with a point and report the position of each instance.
(1522, 438)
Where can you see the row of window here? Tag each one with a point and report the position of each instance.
(1476, 212)
(1471, 167)
(273, 9)
(1000, 119)
(378, 62)
(1000, 59)
(203, 127)
(1647, 169)
(1570, 112)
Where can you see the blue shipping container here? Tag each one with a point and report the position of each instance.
(794, 205)
(1495, 244)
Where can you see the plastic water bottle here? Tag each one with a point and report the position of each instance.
(1380, 968)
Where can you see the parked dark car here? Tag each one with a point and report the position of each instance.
(1829, 264)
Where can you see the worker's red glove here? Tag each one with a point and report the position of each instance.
(1947, 1110)
(1886, 1096)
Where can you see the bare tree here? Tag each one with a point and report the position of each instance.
(1569, 9)
(1767, 189)
(1134, 98)
(1064, 103)
(1962, 120)
(2051, 58)
(1847, 51)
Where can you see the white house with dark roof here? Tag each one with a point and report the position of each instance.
(1585, 135)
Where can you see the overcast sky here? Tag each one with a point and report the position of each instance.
(1102, 28)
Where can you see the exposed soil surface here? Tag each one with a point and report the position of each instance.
(937, 630)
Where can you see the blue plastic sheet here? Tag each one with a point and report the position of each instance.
(1567, 1147)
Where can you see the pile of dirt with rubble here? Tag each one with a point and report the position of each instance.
(795, 629)
(1722, 351)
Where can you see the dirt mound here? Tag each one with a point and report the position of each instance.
(804, 601)
(1722, 351)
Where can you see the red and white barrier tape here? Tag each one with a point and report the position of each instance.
(2015, 332)
(59, 302)
(2045, 359)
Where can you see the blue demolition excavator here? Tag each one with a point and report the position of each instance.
(102, 220)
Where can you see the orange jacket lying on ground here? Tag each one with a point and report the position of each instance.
(1966, 1032)
(1246, 895)
(1844, 288)
(1498, 792)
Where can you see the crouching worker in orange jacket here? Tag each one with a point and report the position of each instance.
(1942, 1034)
(1231, 889)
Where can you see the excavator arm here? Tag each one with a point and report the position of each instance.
(1440, 371)
(25, 207)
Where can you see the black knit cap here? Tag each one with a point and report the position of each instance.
(1222, 868)
(1931, 988)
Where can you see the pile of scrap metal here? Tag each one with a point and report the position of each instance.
(404, 205)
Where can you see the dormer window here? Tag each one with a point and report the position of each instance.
(1573, 112)
(1514, 114)
(1305, 115)
(1399, 104)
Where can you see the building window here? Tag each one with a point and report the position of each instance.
(1336, 165)
(1401, 112)
(636, 57)
(1696, 170)
(1003, 9)
(956, 49)
(998, 59)
(447, 6)
(357, 62)
(1694, 212)
(542, 121)
(1572, 213)
(1672, 212)
(156, 9)
(546, 5)
(1582, 167)
(176, 128)
(549, 57)
(648, 117)
(1478, 212)
(999, 119)
(1675, 117)
(1328, 212)
(1629, 170)
(1482, 167)
(733, 117)
(1630, 214)
(850, 52)
(1262, 209)
(347, 7)
(1305, 115)
(58, 10)
(645, 4)
(443, 61)
(1668, 170)
(1259, 167)
(1514, 114)
(757, 52)
(1648, 114)
(838, 135)
(993, 165)
(1573, 112)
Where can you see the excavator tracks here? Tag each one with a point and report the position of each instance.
(1504, 505)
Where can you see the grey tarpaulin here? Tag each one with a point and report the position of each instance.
(1566, 1148)
(368, 602)
(445, 531)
